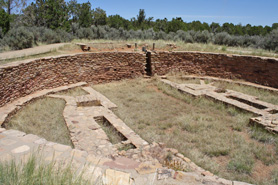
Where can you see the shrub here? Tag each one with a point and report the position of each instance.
(202, 37)
(161, 35)
(64, 36)
(49, 36)
(170, 36)
(183, 36)
(271, 41)
(74, 28)
(85, 33)
(149, 34)
(222, 38)
(19, 38)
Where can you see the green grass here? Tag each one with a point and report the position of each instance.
(42, 117)
(214, 136)
(36, 172)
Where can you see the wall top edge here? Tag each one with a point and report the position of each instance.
(223, 54)
(19, 62)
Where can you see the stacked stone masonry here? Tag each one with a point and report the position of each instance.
(18, 80)
(22, 78)
(253, 69)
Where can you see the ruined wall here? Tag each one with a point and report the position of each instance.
(18, 80)
(23, 78)
(253, 69)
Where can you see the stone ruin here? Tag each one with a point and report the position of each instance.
(143, 162)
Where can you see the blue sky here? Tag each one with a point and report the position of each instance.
(254, 12)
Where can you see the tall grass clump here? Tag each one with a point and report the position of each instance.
(36, 172)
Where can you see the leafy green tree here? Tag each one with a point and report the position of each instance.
(275, 26)
(56, 15)
(116, 21)
(10, 5)
(141, 17)
(215, 27)
(175, 25)
(4, 21)
(85, 15)
(160, 25)
(99, 17)
(74, 9)
(52, 14)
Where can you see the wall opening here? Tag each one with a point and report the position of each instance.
(148, 64)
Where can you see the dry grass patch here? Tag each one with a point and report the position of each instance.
(42, 117)
(214, 136)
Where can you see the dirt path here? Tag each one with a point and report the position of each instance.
(30, 51)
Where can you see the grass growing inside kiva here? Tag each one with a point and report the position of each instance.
(214, 136)
(42, 117)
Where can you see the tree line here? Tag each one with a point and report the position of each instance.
(78, 20)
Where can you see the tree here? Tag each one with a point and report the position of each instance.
(52, 14)
(141, 17)
(4, 21)
(175, 25)
(99, 17)
(73, 8)
(85, 15)
(10, 5)
(214, 27)
(116, 21)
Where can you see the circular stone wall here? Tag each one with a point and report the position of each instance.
(23, 78)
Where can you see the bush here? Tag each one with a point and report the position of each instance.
(161, 35)
(64, 36)
(271, 41)
(19, 38)
(85, 33)
(183, 36)
(202, 37)
(222, 38)
(149, 34)
(49, 36)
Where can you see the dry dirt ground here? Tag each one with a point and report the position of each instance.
(30, 51)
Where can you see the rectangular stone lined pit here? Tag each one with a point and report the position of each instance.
(256, 105)
(112, 133)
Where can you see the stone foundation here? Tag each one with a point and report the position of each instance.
(253, 69)
(23, 78)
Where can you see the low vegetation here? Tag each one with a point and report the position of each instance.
(35, 172)
(42, 117)
(211, 134)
